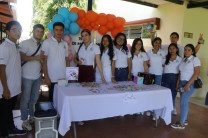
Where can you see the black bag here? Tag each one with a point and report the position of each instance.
(44, 109)
(148, 78)
(198, 83)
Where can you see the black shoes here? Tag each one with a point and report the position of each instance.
(16, 132)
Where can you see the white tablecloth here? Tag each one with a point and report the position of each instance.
(80, 104)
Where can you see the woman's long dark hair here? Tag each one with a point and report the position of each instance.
(124, 46)
(156, 38)
(133, 48)
(110, 47)
(193, 49)
(167, 61)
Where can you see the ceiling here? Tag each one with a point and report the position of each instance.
(156, 3)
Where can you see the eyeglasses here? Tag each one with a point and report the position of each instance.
(121, 38)
(174, 37)
(16, 30)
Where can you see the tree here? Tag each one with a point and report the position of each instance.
(44, 10)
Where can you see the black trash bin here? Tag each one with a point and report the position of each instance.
(45, 120)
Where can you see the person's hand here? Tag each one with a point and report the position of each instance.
(38, 57)
(113, 80)
(47, 81)
(177, 88)
(129, 77)
(79, 62)
(200, 40)
(186, 87)
(103, 80)
(151, 33)
(6, 94)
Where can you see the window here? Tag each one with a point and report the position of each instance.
(136, 31)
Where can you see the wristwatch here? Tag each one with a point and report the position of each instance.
(199, 43)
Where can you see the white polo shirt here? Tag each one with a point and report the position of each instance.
(105, 59)
(122, 57)
(156, 61)
(181, 49)
(138, 63)
(56, 63)
(187, 68)
(9, 56)
(173, 66)
(87, 56)
(31, 69)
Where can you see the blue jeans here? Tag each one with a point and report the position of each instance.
(169, 80)
(185, 96)
(29, 97)
(158, 79)
(121, 74)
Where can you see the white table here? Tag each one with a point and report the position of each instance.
(80, 104)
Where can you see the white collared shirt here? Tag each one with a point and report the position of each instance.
(173, 66)
(56, 62)
(87, 56)
(156, 61)
(187, 68)
(181, 49)
(105, 59)
(122, 57)
(31, 69)
(138, 63)
(9, 56)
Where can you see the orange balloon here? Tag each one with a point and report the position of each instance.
(95, 27)
(121, 29)
(87, 22)
(92, 24)
(119, 21)
(111, 17)
(79, 21)
(91, 16)
(114, 32)
(102, 20)
(81, 13)
(74, 9)
(110, 26)
(102, 14)
(102, 30)
(88, 28)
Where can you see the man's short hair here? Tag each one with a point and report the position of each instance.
(58, 24)
(11, 23)
(38, 26)
(174, 33)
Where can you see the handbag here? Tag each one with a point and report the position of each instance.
(148, 78)
(198, 83)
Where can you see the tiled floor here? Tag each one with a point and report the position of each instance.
(140, 126)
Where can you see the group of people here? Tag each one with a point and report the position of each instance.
(21, 68)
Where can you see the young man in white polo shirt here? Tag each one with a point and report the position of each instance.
(174, 37)
(55, 58)
(10, 76)
(30, 51)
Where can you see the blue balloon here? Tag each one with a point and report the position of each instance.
(64, 12)
(74, 28)
(50, 26)
(52, 33)
(67, 23)
(73, 16)
(66, 32)
(58, 18)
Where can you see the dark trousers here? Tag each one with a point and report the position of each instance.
(51, 88)
(121, 74)
(6, 115)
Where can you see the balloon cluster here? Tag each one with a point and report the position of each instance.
(68, 19)
(99, 22)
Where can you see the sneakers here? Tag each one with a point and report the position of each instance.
(32, 120)
(26, 125)
(178, 125)
(186, 123)
(174, 112)
(16, 132)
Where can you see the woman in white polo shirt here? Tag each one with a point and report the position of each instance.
(171, 71)
(139, 57)
(157, 59)
(123, 62)
(189, 70)
(108, 58)
(85, 56)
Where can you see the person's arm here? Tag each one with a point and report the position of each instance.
(152, 36)
(24, 57)
(200, 40)
(45, 71)
(67, 62)
(99, 65)
(146, 67)
(113, 72)
(6, 92)
(193, 78)
(78, 62)
(129, 68)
